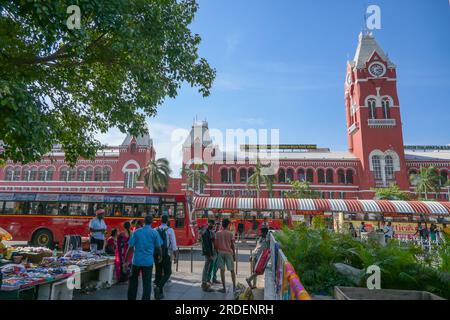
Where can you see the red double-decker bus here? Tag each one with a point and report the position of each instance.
(44, 218)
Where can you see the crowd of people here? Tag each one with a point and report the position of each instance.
(137, 248)
(434, 233)
(218, 248)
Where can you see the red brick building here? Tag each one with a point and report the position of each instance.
(115, 169)
(376, 156)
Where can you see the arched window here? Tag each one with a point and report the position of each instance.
(443, 177)
(50, 172)
(16, 174)
(26, 172)
(232, 177)
(310, 175)
(42, 174)
(320, 176)
(224, 175)
(290, 175)
(63, 174)
(281, 176)
(301, 174)
(341, 176)
(9, 174)
(349, 177)
(98, 174)
(376, 164)
(89, 172)
(33, 174)
(106, 173)
(389, 167)
(243, 175)
(81, 174)
(129, 181)
(386, 104)
(371, 104)
(329, 176)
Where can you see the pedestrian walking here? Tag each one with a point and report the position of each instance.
(121, 253)
(146, 243)
(169, 249)
(209, 253)
(97, 227)
(214, 268)
(433, 232)
(352, 230)
(224, 243)
(362, 228)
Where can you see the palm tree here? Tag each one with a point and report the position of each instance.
(156, 175)
(196, 177)
(258, 179)
(427, 181)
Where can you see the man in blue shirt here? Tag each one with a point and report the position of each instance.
(145, 242)
(169, 248)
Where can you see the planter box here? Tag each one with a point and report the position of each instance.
(354, 293)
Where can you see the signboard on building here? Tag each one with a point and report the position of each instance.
(278, 147)
(428, 148)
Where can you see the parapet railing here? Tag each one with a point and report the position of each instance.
(286, 281)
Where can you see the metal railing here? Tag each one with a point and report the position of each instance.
(286, 281)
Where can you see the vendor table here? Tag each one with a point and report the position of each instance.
(56, 288)
(41, 291)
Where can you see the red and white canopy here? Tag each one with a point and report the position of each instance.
(326, 205)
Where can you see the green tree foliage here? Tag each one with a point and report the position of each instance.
(427, 180)
(62, 86)
(196, 177)
(302, 190)
(392, 192)
(314, 251)
(259, 178)
(156, 175)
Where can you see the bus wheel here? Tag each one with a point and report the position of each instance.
(42, 238)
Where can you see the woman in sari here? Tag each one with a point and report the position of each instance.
(121, 251)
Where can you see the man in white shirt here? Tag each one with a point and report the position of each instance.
(169, 249)
(97, 227)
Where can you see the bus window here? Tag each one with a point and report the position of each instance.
(63, 209)
(52, 208)
(9, 207)
(38, 208)
(134, 210)
(78, 209)
(114, 210)
(91, 209)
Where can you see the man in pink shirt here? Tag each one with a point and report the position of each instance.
(224, 243)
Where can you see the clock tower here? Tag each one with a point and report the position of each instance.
(374, 124)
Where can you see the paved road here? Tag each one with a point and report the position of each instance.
(185, 284)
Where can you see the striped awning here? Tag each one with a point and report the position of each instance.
(325, 205)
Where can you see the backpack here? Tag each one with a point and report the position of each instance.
(164, 248)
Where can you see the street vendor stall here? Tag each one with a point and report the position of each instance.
(48, 277)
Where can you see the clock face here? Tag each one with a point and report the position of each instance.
(377, 69)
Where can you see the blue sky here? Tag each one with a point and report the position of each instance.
(281, 65)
